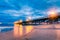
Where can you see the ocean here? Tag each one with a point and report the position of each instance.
(6, 28)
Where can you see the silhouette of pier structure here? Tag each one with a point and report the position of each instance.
(39, 21)
(20, 29)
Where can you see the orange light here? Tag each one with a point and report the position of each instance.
(16, 30)
(21, 30)
(28, 29)
(52, 14)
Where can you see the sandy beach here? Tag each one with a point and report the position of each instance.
(38, 33)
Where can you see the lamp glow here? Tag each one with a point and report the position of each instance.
(52, 14)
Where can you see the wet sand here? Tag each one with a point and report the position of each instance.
(41, 32)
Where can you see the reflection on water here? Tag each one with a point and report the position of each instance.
(28, 28)
(39, 32)
(19, 30)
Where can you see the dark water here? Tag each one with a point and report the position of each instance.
(6, 29)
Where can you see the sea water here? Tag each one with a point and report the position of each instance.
(6, 28)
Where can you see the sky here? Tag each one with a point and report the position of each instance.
(13, 10)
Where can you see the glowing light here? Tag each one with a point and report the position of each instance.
(16, 26)
(28, 29)
(20, 30)
(52, 14)
(28, 18)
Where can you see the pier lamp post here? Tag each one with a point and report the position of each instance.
(52, 16)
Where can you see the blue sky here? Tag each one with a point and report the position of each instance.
(13, 10)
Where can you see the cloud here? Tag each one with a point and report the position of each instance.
(53, 9)
(8, 2)
(12, 12)
(52, 1)
(58, 9)
(26, 11)
(0, 22)
(37, 17)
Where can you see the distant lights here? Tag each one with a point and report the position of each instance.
(52, 11)
(52, 14)
(28, 18)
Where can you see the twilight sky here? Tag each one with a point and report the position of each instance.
(13, 10)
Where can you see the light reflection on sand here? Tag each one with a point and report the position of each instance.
(37, 34)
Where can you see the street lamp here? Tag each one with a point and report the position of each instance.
(52, 15)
